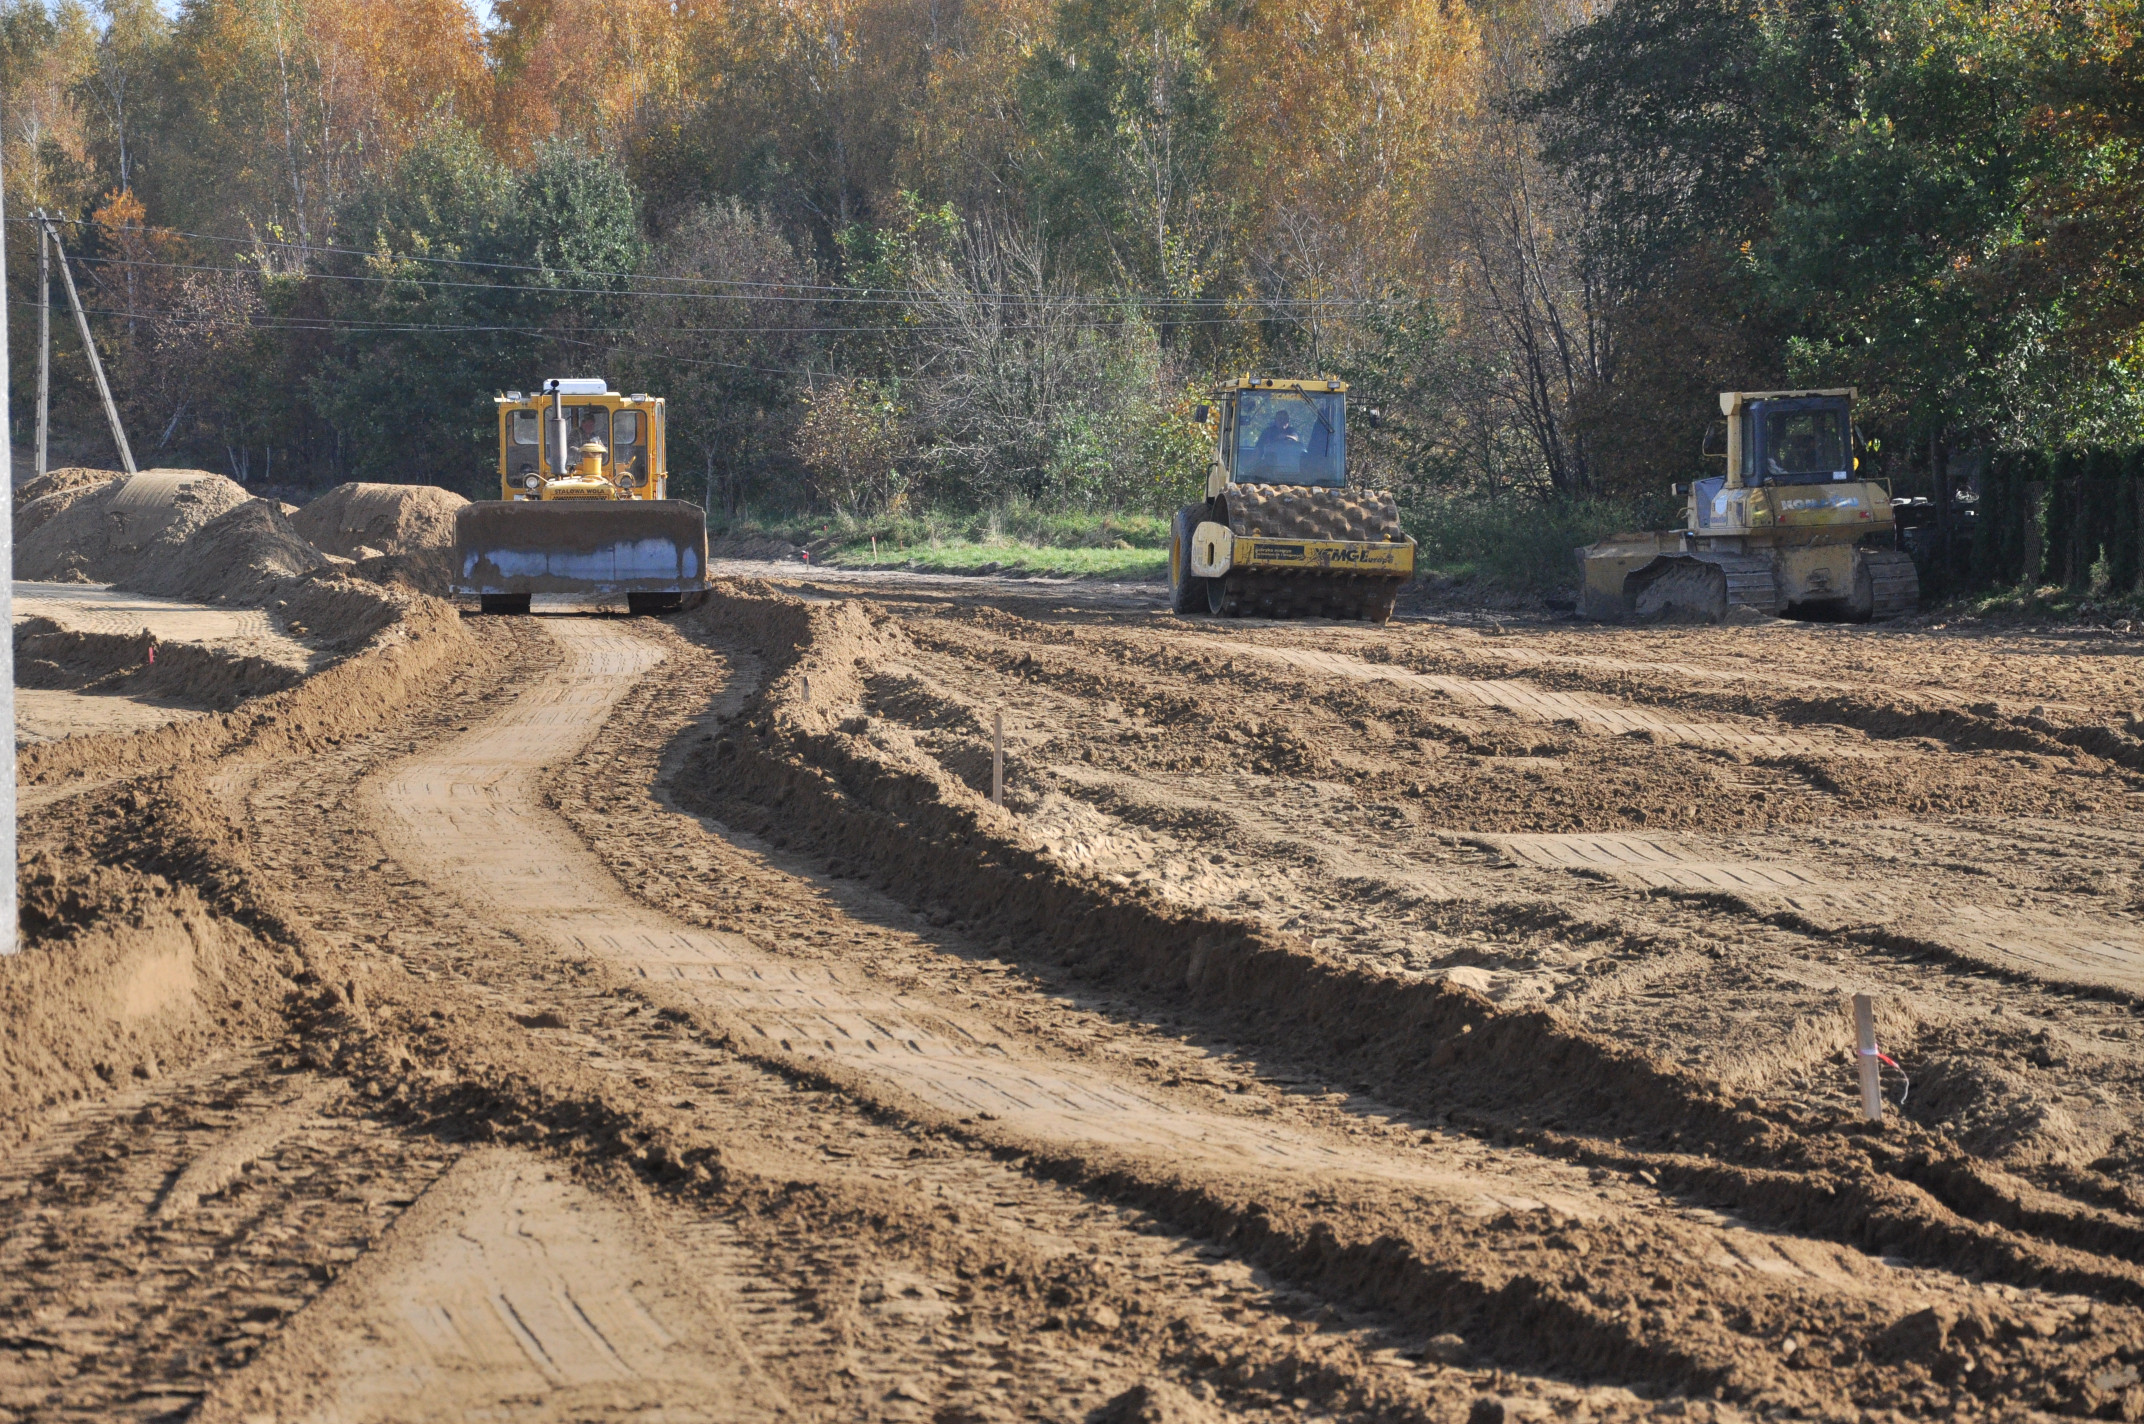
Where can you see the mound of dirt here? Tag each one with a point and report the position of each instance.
(114, 529)
(238, 557)
(73, 477)
(50, 495)
(379, 519)
(425, 570)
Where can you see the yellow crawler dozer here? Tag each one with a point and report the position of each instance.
(1791, 528)
(582, 507)
(1280, 533)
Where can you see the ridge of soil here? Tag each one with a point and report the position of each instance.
(1314, 1031)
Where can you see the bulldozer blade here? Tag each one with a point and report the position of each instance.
(507, 548)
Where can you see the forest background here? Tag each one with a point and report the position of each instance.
(983, 256)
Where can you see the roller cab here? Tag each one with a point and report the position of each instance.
(583, 508)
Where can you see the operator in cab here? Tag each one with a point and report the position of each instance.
(1279, 436)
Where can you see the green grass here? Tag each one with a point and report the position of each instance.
(1006, 556)
(1519, 543)
(2051, 603)
(1016, 538)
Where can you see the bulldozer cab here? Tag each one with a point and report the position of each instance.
(542, 436)
(1789, 438)
(1276, 432)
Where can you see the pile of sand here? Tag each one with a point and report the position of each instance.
(51, 493)
(425, 570)
(106, 532)
(361, 521)
(238, 557)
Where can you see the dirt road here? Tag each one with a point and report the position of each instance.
(655, 1019)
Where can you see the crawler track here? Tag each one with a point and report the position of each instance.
(658, 1014)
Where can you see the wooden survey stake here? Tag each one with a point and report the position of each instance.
(1865, 1057)
(997, 758)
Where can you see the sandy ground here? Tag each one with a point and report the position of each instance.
(96, 608)
(51, 714)
(1443, 1021)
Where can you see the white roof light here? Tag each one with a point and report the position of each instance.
(577, 386)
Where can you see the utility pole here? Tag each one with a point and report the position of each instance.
(89, 344)
(44, 343)
(9, 919)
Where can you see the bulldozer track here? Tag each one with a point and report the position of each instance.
(1894, 580)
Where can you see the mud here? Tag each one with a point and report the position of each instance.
(544, 1018)
(366, 521)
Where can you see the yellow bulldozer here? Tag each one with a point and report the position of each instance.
(1791, 528)
(1280, 533)
(583, 507)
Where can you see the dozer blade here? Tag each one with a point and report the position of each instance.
(510, 548)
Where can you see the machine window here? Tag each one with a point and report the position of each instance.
(1290, 438)
(583, 424)
(525, 427)
(630, 454)
(1805, 443)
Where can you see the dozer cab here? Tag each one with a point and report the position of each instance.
(1280, 533)
(582, 507)
(1790, 528)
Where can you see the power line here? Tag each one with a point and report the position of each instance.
(886, 296)
(340, 323)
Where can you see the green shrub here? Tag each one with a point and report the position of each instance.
(1523, 543)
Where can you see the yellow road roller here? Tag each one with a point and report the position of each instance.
(1281, 534)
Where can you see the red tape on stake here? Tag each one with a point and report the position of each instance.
(1886, 1059)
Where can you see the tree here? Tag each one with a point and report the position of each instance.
(728, 342)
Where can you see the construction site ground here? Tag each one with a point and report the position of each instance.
(581, 1017)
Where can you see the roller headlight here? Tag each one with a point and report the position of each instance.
(532, 482)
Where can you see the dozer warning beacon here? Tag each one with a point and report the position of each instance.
(1790, 528)
(1280, 534)
(581, 507)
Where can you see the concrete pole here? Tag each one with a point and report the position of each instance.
(44, 346)
(89, 345)
(8, 915)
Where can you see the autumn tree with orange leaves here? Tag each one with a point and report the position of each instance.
(1539, 234)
